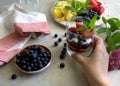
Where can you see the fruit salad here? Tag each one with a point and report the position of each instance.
(68, 9)
(79, 41)
(80, 35)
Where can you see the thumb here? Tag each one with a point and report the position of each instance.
(80, 59)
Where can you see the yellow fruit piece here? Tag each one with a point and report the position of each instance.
(70, 15)
(57, 13)
(62, 4)
(61, 13)
(62, 19)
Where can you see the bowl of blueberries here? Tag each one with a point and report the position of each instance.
(33, 59)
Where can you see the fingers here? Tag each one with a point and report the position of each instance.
(80, 59)
(99, 43)
(98, 40)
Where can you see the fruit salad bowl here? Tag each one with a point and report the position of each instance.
(33, 59)
(63, 11)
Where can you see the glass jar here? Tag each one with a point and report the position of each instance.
(78, 40)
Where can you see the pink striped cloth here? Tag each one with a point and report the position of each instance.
(23, 24)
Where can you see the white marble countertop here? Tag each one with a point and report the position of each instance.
(71, 75)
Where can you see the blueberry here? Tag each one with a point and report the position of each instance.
(40, 63)
(63, 52)
(36, 64)
(14, 76)
(40, 55)
(32, 65)
(83, 40)
(65, 34)
(59, 39)
(38, 58)
(48, 54)
(45, 63)
(62, 65)
(18, 55)
(34, 60)
(62, 56)
(24, 67)
(45, 54)
(47, 59)
(40, 66)
(92, 13)
(17, 61)
(29, 68)
(56, 35)
(35, 68)
(23, 62)
(28, 64)
(42, 59)
(64, 49)
(65, 44)
(55, 43)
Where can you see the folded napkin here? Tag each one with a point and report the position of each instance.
(19, 26)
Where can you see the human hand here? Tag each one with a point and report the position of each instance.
(96, 65)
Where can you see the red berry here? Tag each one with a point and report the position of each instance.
(73, 29)
(79, 25)
(102, 9)
(94, 3)
(99, 3)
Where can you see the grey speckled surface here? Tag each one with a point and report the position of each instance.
(71, 75)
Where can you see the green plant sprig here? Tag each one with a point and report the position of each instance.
(88, 25)
(112, 30)
(79, 7)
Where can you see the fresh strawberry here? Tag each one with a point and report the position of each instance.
(99, 3)
(102, 9)
(72, 29)
(97, 9)
(79, 25)
(94, 3)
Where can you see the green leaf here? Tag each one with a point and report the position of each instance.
(117, 46)
(116, 37)
(110, 44)
(104, 20)
(92, 22)
(112, 20)
(86, 24)
(101, 30)
(80, 29)
(112, 33)
(118, 25)
(82, 11)
(70, 8)
(78, 5)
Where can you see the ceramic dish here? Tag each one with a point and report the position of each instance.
(33, 59)
(98, 23)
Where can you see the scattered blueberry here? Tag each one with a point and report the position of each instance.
(55, 43)
(62, 56)
(63, 52)
(65, 44)
(56, 35)
(62, 65)
(14, 76)
(65, 34)
(59, 39)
